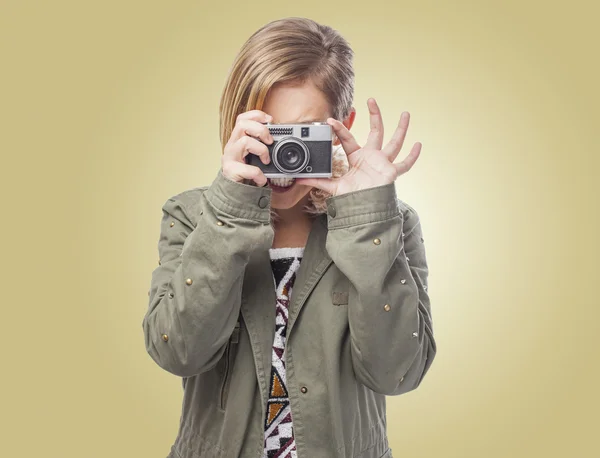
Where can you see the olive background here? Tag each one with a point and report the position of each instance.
(109, 108)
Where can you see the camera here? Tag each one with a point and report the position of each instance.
(298, 150)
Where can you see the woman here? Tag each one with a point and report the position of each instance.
(267, 373)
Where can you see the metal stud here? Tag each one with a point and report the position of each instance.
(415, 334)
(189, 281)
(219, 223)
(377, 241)
(403, 281)
(304, 389)
(165, 337)
(172, 223)
(386, 307)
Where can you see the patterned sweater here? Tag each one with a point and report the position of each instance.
(279, 433)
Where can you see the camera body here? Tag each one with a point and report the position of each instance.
(301, 150)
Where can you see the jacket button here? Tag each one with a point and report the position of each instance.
(165, 337)
(189, 281)
(263, 202)
(386, 307)
(219, 223)
(331, 211)
(377, 241)
(304, 389)
(401, 378)
(171, 295)
(172, 224)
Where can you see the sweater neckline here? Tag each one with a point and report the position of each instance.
(286, 252)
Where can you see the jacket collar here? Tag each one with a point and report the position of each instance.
(314, 263)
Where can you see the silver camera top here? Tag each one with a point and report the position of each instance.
(307, 131)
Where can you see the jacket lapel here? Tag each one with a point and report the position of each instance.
(258, 310)
(314, 263)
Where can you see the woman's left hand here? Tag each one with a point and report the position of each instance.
(370, 165)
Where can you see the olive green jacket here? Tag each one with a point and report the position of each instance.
(359, 325)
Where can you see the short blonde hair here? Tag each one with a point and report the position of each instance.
(291, 50)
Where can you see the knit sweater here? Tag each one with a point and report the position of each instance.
(279, 432)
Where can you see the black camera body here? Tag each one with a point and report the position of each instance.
(301, 150)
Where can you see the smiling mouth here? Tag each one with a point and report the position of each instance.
(281, 182)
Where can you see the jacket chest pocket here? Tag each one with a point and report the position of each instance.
(228, 358)
(340, 290)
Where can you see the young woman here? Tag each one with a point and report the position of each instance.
(267, 373)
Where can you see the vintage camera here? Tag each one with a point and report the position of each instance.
(298, 150)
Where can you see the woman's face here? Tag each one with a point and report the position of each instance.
(293, 104)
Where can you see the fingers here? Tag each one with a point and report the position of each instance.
(255, 115)
(239, 149)
(406, 164)
(237, 171)
(326, 184)
(244, 140)
(347, 140)
(393, 147)
(253, 128)
(375, 139)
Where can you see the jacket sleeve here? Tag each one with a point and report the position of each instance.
(206, 239)
(376, 240)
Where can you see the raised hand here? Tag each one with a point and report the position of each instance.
(370, 165)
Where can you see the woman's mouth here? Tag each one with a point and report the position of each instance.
(280, 184)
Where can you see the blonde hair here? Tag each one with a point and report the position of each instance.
(291, 50)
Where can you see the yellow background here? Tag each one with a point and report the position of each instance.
(111, 107)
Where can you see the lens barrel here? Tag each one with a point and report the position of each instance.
(291, 155)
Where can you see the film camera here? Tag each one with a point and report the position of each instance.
(298, 150)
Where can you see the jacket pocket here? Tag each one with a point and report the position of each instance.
(230, 352)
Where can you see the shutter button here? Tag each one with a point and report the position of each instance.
(263, 202)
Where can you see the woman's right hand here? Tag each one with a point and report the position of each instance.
(243, 141)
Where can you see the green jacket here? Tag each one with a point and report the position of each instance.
(359, 325)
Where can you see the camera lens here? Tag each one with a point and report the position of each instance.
(290, 156)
